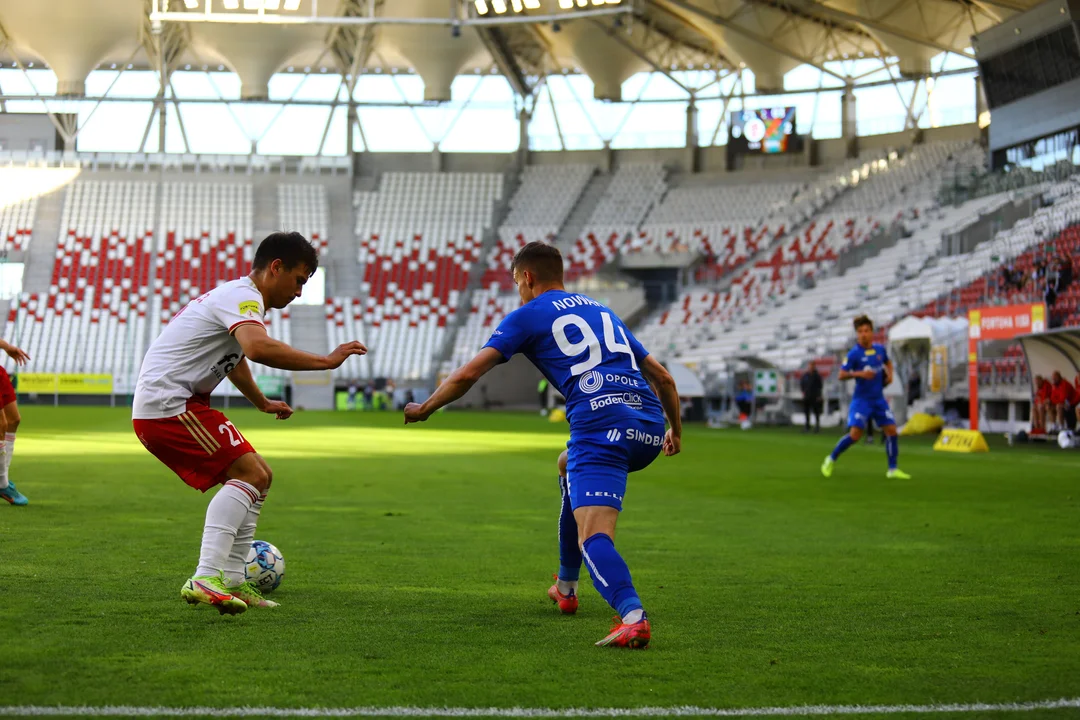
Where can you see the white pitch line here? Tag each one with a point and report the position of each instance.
(519, 712)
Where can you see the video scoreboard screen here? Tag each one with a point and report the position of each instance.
(769, 131)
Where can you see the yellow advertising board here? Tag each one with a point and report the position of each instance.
(37, 383)
(961, 441)
(65, 384)
(74, 384)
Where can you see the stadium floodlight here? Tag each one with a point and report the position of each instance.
(516, 4)
(292, 5)
(252, 4)
(566, 4)
(229, 4)
(481, 7)
(582, 3)
(532, 4)
(191, 4)
(499, 6)
(271, 4)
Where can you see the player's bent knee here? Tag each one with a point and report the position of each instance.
(268, 471)
(253, 470)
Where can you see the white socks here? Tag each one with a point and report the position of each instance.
(227, 512)
(633, 616)
(6, 449)
(245, 534)
(566, 586)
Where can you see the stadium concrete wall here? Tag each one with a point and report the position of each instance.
(511, 385)
(28, 131)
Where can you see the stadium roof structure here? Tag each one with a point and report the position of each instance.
(609, 40)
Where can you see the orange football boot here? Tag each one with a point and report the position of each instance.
(635, 636)
(567, 603)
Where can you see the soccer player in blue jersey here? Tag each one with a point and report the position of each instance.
(617, 396)
(868, 363)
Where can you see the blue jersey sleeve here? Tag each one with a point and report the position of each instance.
(884, 354)
(850, 360)
(511, 335)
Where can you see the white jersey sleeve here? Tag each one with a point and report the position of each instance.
(236, 305)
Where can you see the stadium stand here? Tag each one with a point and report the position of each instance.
(634, 189)
(897, 282)
(754, 315)
(420, 234)
(94, 317)
(17, 224)
(303, 208)
(538, 209)
(206, 240)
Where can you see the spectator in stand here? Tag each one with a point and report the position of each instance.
(1039, 405)
(1065, 272)
(1038, 271)
(1063, 399)
(1012, 280)
(1059, 275)
(350, 404)
(812, 386)
(369, 396)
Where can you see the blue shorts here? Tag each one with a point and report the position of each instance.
(598, 461)
(877, 410)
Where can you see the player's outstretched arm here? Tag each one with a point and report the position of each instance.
(263, 349)
(455, 386)
(664, 387)
(19, 356)
(244, 381)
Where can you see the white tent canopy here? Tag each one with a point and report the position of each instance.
(933, 331)
(686, 380)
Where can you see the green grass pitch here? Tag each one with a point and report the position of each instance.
(418, 560)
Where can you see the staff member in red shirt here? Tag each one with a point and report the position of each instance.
(1039, 405)
(1063, 398)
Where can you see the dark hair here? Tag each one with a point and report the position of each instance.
(542, 260)
(291, 248)
(863, 320)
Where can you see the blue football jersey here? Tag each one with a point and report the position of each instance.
(872, 358)
(586, 352)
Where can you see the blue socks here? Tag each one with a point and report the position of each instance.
(610, 575)
(844, 444)
(569, 552)
(892, 449)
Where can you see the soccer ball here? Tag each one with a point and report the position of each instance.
(1066, 439)
(265, 566)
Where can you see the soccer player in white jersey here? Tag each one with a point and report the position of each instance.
(207, 341)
